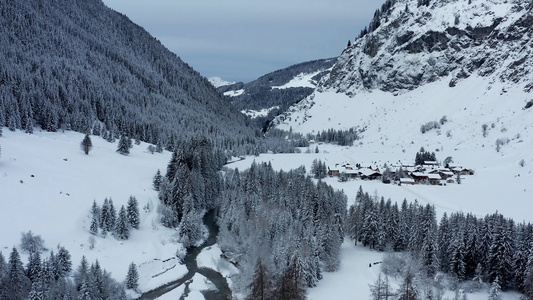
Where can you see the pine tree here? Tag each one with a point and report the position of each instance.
(500, 253)
(456, 252)
(104, 217)
(33, 269)
(124, 145)
(291, 286)
(3, 267)
(132, 278)
(64, 262)
(381, 289)
(86, 144)
(132, 212)
(81, 275)
(112, 217)
(408, 290)
(259, 287)
(122, 231)
(17, 283)
(157, 180)
(495, 291)
(96, 281)
(84, 291)
(95, 218)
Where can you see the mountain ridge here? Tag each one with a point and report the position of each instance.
(415, 42)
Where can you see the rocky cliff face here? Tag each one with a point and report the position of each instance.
(411, 43)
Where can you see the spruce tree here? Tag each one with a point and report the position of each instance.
(132, 212)
(104, 217)
(381, 289)
(17, 284)
(3, 266)
(495, 291)
(408, 290)
(33, 268)
(96, 281)
(259, 287)
(122, 231)
(157, 180)
(132, 278)
(112, 218)
(124, 145)
(95, 218)
(64, 262)
(81, 275)
(86, 144)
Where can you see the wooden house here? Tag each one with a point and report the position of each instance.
(410, 181)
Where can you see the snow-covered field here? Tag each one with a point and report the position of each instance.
(48, 185)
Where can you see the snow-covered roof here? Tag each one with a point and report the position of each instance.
(407, 180)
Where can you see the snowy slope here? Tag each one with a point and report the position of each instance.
(392, 134)
(48, 186)
(301, 80)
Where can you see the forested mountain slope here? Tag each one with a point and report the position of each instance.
(273, 93)
(79, 65)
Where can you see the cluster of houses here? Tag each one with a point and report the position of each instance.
(428, 173)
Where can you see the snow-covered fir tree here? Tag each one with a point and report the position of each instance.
(124, 145)
(16, 284)
(157, 180)
(104, 217)
(132, 212)
(95, 218)
(86, 144)
(495, 291)
(122, 231)
(132, 277)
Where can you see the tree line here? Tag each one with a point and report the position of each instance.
(52, 277)
(465, 247)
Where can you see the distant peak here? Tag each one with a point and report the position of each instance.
(218, 82)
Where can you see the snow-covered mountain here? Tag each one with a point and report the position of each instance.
(218, 82)
(483, 119)
(464, 59)
(412, 43)
(274, 92)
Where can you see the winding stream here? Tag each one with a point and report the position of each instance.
(223, 291)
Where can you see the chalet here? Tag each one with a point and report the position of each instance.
(466, 172)
(419, 177)
(334, 171)
(350, 173)
(431, 163)
(434, 178)
(443, 173)
(410, 181)
(452, 166)
(369, 174)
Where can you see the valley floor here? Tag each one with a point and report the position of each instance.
(40, 203)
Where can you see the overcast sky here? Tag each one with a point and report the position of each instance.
(241, 40)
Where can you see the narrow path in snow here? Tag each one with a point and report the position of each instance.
(423, 199)
(223, 291)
